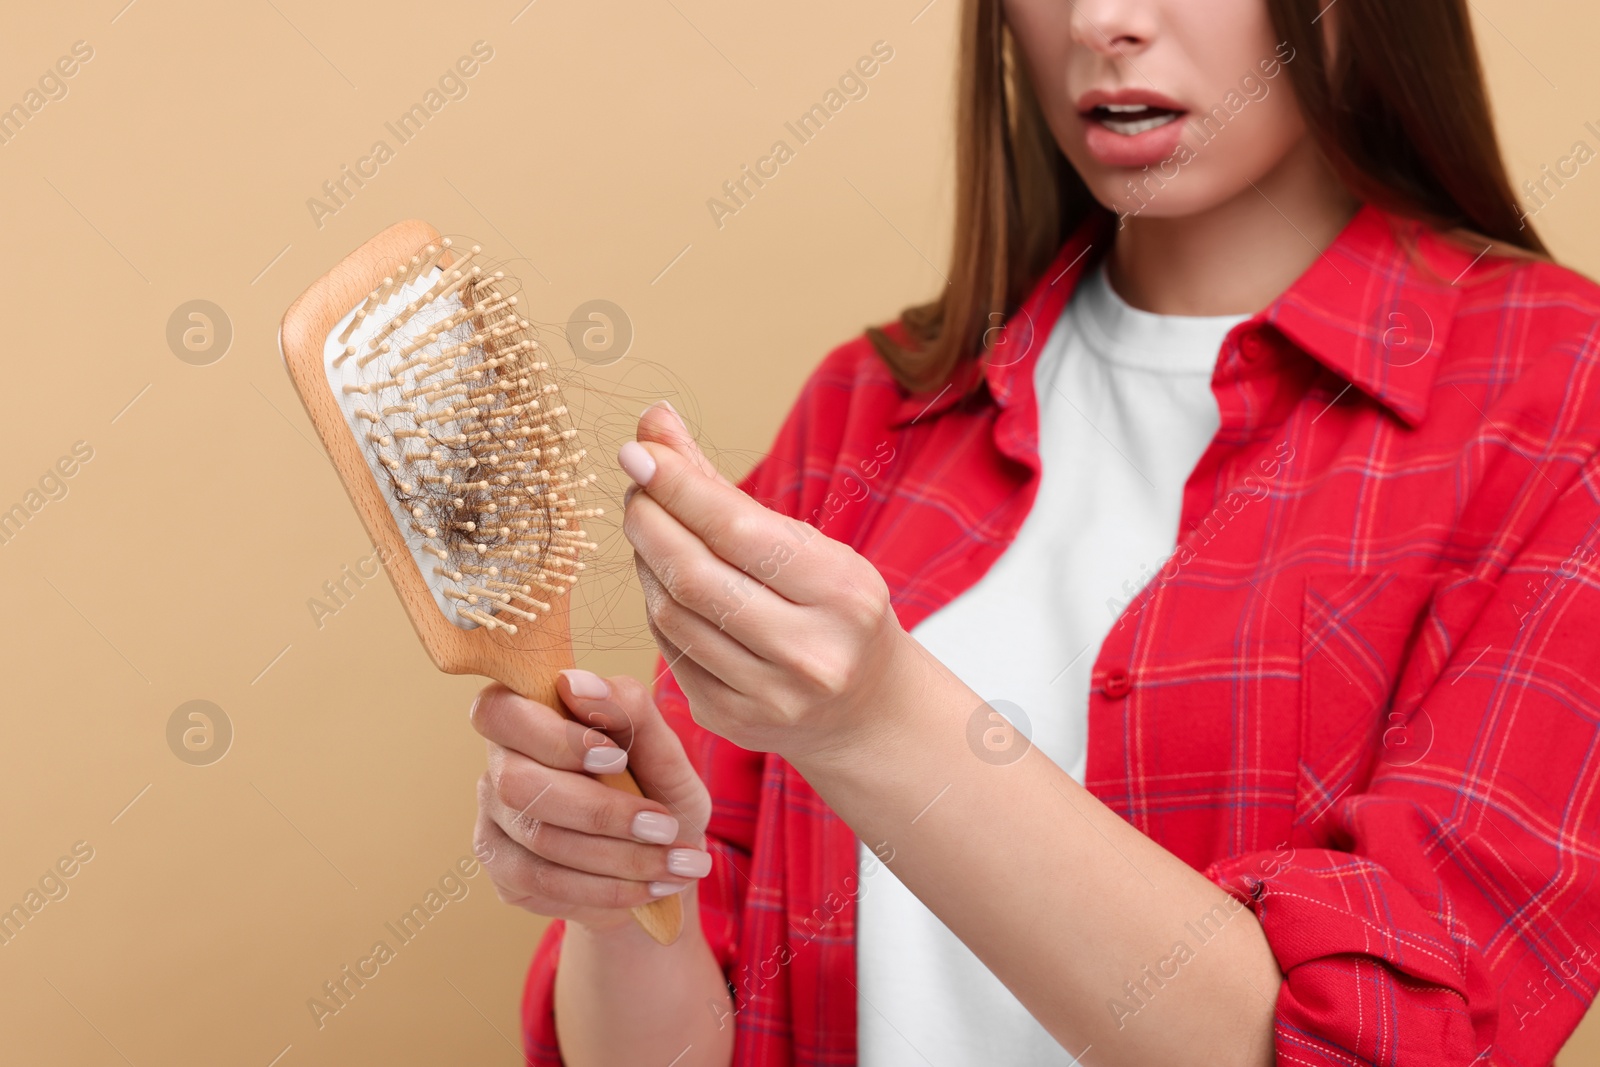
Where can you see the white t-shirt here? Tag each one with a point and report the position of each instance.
(1125, 411)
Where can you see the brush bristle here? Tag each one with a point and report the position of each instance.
(448, 393)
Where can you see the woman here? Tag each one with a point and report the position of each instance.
(1172, 645)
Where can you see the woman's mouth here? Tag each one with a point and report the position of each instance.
(1129, 120)
(1127, 131)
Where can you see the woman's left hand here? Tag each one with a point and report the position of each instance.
(782, 639)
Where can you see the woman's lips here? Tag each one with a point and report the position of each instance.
(1132, 134)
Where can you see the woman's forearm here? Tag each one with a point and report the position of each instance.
(622, 998)
(1064, 901)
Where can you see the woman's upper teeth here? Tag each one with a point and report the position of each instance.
(1132, 119)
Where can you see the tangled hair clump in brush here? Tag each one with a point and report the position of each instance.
(447, 390)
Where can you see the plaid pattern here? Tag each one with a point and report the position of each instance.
(1362, 694)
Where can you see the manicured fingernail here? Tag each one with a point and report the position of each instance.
(586, 685)
(606, 759)
(666, 889)
(654, 827)
(472, 712)
(689, 862)
(636, 460)
(668, 405)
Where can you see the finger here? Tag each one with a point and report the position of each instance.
(499, 855)
(528, 880)
(702, 641)
(526, 793)
(654, 747)
(662, 424)
(545, 735)
(610, 858)
(605, 855)
(708, 689)
(691, 575)
(769, 547)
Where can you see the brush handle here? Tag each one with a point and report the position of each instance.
(533, 677)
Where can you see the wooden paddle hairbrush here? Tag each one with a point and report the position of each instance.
(434, 400)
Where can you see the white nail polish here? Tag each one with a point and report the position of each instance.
(604, 760)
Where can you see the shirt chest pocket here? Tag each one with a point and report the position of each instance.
(1359, 635)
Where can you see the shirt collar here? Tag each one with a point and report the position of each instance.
(1375, 308)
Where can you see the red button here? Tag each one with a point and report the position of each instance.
(1117, 684)
(1252, 347)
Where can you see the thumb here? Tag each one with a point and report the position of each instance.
(662, 424)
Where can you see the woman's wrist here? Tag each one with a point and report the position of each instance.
(602, 929)
(619, 932)
(889, 707)
(622, 998)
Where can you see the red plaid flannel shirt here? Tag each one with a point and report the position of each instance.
(1363, 695)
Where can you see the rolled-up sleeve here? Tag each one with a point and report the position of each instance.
(1451, 913)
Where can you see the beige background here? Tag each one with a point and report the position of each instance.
(180, 563)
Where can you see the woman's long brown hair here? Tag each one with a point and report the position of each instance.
(1393, 94)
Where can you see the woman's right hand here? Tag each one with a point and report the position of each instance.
(557, 841)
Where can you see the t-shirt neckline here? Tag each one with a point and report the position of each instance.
(1117, 332)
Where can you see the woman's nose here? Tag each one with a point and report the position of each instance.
(1113, 27)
